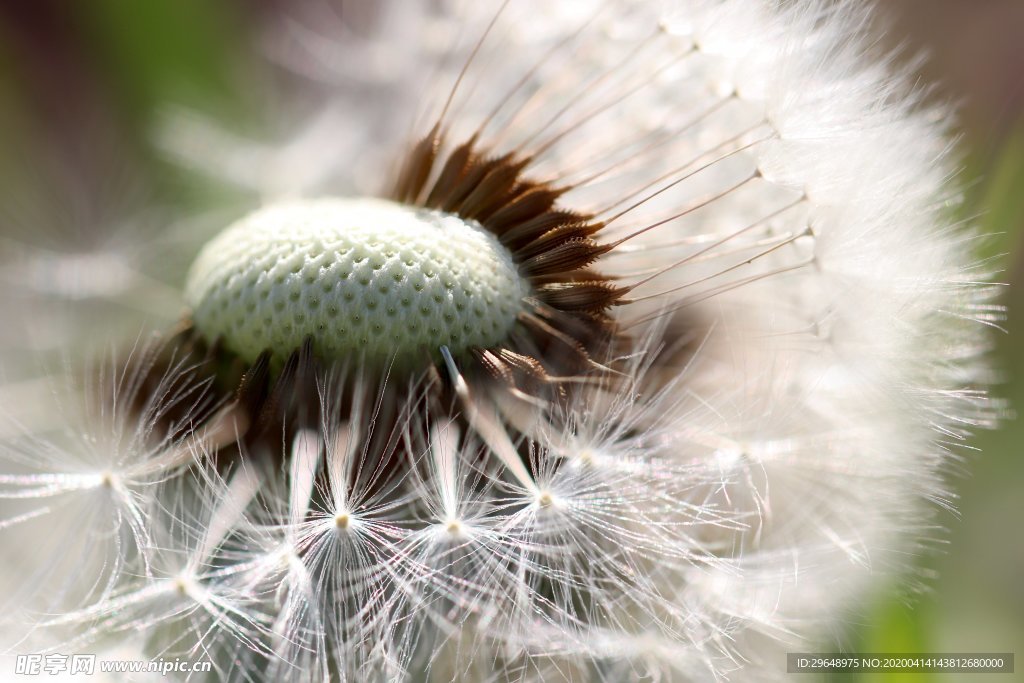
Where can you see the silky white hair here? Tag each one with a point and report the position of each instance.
(807, 329)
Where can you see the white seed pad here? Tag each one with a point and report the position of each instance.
(365, 278)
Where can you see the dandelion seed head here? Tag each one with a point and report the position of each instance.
(684, 342)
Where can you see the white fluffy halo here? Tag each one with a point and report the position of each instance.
(760, 208)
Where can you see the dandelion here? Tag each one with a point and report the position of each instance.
(638, 360)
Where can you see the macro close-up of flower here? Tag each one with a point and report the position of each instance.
(595, 340)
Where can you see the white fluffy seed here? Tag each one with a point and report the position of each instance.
(359, 276)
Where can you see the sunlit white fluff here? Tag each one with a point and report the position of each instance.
(78, 495)
(78, 256)
(782, 201)
(185, 601)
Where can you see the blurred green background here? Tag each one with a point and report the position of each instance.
(83, 81)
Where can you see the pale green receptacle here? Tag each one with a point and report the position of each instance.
(365, 278)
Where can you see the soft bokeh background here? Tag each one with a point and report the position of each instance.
(82, 83)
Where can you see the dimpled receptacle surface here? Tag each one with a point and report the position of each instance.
(365, 278)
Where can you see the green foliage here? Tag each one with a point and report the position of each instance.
(162, 50)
